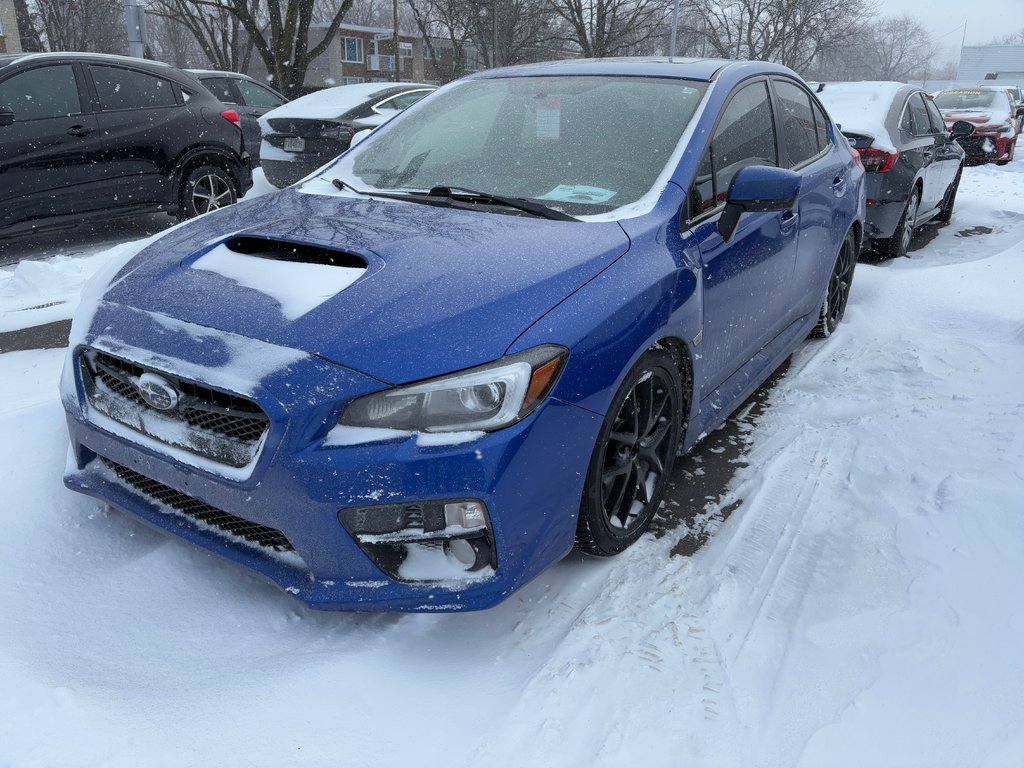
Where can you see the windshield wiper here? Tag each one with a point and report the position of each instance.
(519, 203)
(444, 197)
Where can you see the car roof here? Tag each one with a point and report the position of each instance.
(649, 66)
(62, 55)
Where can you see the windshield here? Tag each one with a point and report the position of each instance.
(582, 145)
(967, 99)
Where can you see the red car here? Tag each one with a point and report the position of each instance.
(994, 117)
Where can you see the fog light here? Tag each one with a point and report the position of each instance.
(465, 514)
(425, 541)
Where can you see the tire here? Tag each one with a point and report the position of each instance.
(946, 211)
(639, 439)
(205, 188)
(833, 307)
(896, 246)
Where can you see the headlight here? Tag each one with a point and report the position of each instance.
(486, 398)
(1008, 129)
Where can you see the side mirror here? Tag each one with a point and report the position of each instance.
(359, 136)
(960, 129)
(757, 189)
(6, 116)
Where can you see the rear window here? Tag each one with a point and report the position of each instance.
(120, 88)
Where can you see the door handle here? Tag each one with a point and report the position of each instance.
(839, 184)
(787, 221)
(80, 130)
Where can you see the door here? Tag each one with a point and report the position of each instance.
(919, 147)
(807, 148)
(143, 128)
(257, 100)
(47, 153)
(947, 157)
(746, 280)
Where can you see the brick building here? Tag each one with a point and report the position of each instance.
(361, 54)
(10, 40)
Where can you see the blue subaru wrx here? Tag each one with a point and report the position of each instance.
(420, 376)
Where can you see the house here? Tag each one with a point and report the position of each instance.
(981, 63)
(360, 54)
(10, 39)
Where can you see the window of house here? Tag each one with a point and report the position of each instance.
(352, 50)
(405, 50)
(353, 80)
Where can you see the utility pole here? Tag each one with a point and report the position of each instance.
(494, 30)
(398, 58)
(675, 26)
(135, 21)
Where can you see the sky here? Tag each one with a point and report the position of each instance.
(945, 19)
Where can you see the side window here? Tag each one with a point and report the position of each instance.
(745, 136)
(821, 126)
(919, 116)
(799, 133)
(221, 88)
(938, 125)
(257, 96)
(120, 88)
(41, 93)
(406, 100)
(905, 123)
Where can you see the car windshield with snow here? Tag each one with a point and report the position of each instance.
(477, 339)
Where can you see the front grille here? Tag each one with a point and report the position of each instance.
(199, 511)
(218, 425)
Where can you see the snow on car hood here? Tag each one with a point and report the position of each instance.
(437, 289)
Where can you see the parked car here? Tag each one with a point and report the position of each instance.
(88, 135)
(994, 117)
(250, 97)
(913, 164)
(312, 130)
(385, 391)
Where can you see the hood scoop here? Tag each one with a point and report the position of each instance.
(297, 276)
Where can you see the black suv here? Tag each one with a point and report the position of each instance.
(85, 135)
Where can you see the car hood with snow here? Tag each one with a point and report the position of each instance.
(386, 288)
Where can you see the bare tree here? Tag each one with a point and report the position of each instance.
(96, 26)
(31, 42)
(446, 29)
(894, 48)
(213, 27)
(1014, 38)
(609, 27)
(790, 32)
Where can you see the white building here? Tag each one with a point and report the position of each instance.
(10, 40)
(1001, 63)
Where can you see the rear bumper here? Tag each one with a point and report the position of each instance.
(284, 173)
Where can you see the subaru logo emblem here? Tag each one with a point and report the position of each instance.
(157, 392)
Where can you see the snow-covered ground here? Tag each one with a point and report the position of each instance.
(859, 607)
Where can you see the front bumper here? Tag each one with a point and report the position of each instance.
(530, 476)
(987, 147)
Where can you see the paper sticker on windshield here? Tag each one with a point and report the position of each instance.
(576, 193)
(549, 120)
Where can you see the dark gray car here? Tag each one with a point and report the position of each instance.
(913, 163)
(250, 97)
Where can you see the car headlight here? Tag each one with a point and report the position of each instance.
(486, 398)
(1008, 130)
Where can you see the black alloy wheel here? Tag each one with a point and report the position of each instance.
(838, 293)
(633, 459)
(207, 188)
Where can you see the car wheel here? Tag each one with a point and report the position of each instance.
(946, 211)
(838, 293)
(633, 458)
(897, 245)
(205, 189)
